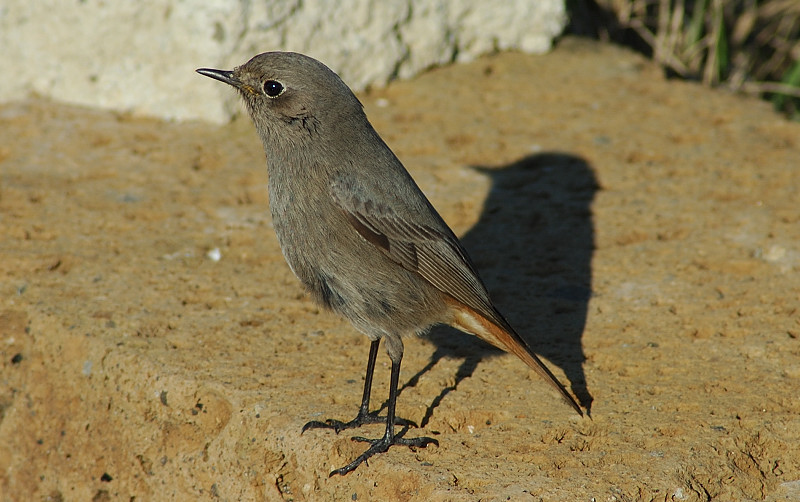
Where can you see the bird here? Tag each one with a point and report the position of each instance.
(358, 232)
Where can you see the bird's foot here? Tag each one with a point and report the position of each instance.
(361, 419)
(380, 446)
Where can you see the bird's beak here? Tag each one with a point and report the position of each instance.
(221, 75)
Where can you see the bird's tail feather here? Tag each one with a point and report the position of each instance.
(505, 338)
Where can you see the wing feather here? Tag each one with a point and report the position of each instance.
(430, 250)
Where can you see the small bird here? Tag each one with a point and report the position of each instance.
(356, 229)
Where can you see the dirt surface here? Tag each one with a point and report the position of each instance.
(642, 234)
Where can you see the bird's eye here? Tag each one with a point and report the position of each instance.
(273, 88)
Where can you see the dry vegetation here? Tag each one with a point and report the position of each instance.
(747, 46)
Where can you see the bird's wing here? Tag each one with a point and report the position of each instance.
(423, 245)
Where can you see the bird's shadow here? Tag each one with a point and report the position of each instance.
(533, 248)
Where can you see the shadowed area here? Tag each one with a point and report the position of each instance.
(533, 248)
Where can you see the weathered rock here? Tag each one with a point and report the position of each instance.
(140, 57)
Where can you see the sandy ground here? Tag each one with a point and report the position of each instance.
(642, 234)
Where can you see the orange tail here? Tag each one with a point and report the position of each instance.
(468, 320)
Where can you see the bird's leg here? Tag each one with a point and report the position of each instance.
(389, 438)
(364, 416)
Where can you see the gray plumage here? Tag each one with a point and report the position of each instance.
(352, 224)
